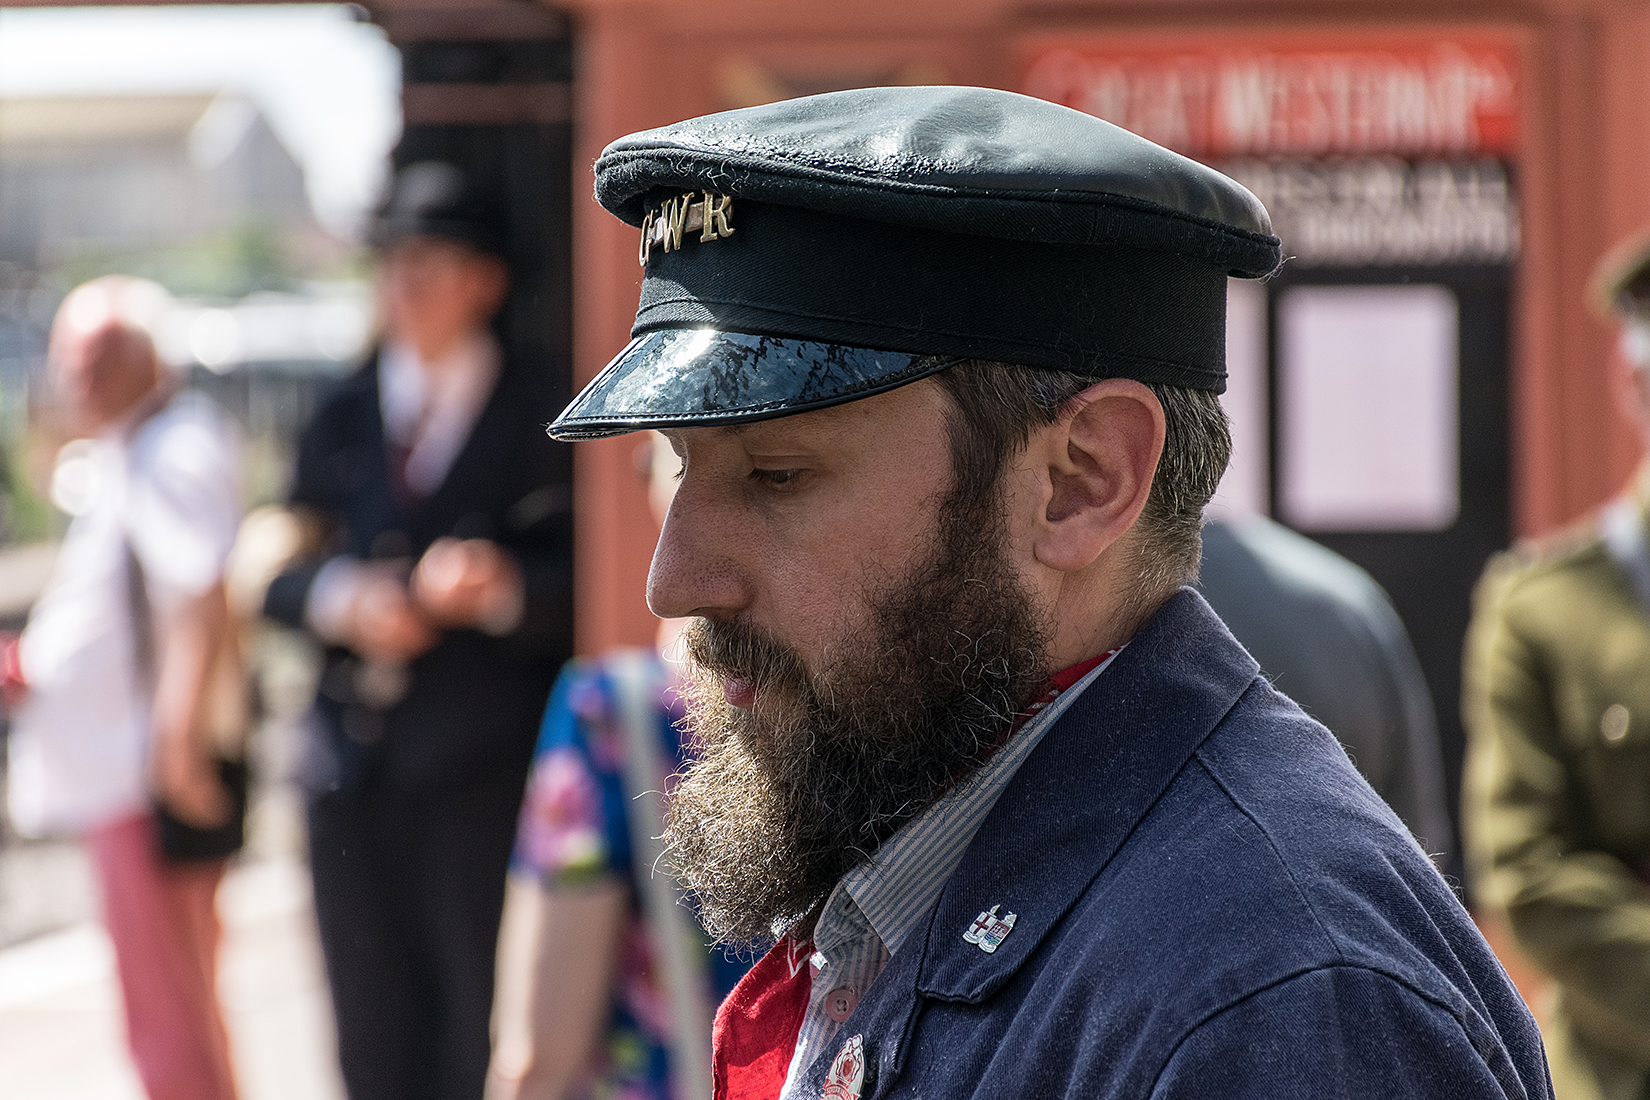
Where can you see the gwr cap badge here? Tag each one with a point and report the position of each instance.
(709, 213)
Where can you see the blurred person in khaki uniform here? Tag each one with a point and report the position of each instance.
(1556, 807)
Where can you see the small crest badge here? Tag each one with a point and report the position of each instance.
(988, 930)
(847, 1074)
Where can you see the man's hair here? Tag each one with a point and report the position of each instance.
(999, 405)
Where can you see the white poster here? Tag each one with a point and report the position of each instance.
(1367, 407)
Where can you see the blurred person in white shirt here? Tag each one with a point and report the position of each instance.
(110, 720)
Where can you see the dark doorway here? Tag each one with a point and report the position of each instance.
(1429, 573)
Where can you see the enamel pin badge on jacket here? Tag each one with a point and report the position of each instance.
(989, 930)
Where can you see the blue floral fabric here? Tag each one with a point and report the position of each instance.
(573, 830)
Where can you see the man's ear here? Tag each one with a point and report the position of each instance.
(1099, 463)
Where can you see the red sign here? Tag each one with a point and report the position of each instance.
(1235, 96)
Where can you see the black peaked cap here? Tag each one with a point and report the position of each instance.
(434, 198)
(835, 246)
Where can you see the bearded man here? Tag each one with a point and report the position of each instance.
(942, 365)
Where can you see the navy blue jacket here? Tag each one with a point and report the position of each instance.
(1210, 903)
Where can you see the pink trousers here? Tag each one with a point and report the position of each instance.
(164, 924)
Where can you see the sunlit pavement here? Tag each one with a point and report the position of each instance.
(61, 1031)
(62, 1034)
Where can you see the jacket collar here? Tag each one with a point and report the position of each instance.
(1098, 771)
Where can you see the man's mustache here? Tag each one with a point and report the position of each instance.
(737, 649)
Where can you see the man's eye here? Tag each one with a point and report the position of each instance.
(775, 477)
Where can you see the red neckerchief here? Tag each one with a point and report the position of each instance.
(755, 1033)
(1062, 682)
(754, 1037)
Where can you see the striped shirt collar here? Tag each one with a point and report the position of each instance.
(897, 886)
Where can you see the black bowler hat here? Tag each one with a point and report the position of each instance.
(820, 250)
(433, 198)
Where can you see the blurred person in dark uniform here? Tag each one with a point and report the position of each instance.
(439, 582)
(1556, 807)
(1328, 637)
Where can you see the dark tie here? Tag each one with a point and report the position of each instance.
(397, 455)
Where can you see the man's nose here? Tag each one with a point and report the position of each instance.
(698, 565)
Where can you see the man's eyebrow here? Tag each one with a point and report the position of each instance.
(744, 427)
(826, 421)
(735, 430)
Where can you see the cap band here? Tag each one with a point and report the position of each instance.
(1098, 309)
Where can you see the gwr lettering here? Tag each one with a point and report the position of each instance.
(646, 250)
(709, 213)
(675, 220)
(716, 211)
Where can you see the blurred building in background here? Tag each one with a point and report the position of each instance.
(93, 181)
(199, 193)
(1370, 376)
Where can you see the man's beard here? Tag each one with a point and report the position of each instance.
(789, 795)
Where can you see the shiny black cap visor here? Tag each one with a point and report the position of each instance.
(693, 378)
